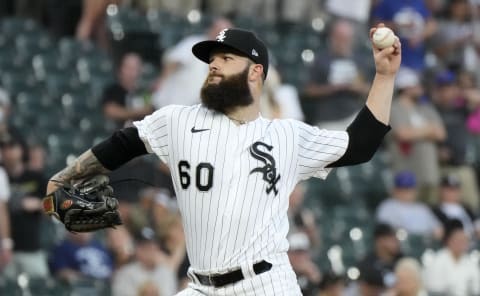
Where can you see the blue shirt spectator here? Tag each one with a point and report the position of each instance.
(80, 256)
(412, 22)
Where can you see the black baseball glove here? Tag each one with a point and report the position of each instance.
(85, 207)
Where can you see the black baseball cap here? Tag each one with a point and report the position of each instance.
(450, 181)
(145, 234)
(246, 42)
(383, 230)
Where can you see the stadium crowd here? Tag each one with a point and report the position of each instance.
(408, 223)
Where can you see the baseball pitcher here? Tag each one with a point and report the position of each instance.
(232, 169)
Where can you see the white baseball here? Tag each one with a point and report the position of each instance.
(383, 37)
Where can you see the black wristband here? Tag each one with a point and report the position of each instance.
(119, 148)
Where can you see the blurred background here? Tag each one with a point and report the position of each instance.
(406, 223)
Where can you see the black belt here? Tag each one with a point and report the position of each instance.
(220, 280)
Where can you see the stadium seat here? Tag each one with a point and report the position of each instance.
(75, 105)
(415, 245)
(127, 20)
(7, 59)
(149, 75)
(44, 287)
(9, 287)
(58, 83)
(337, 189)
(71, 49)
(95, 64)
(30, 44)
(51, 62)
(97, 84)
(13, 26)
(15, 82)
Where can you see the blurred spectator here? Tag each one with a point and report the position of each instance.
(468, 87)
(308, 274)
(122, 102)
(331, 285)
(413, 23)
(80, 256)
(92, 22)
(183, 74)
(6, 242)
(302, 219)
(455, 33)
(32, 9)
(5, 134)
(26, 215)
(416, 129)
(149, 289)
(62, 16)
(151, 266)
(279, 100)
(452, 272)
(22, 8)
(7, 8)
(356, 11)
(37, 158)
(171, 234)
(177, 8)
(408, 274)
(435, 6)
(450, 207)
(287, 11)
(453, 105)
(149, 213)
(376, 269)
(141, 184)
(126, 186)
(337, 83)
(9, 133)
(403, 211)
(267, 11)
(141, 214)
(120, 244)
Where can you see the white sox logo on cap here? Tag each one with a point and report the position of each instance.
(243, 41)
(221, 36)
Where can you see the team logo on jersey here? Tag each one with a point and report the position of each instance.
(269, 170)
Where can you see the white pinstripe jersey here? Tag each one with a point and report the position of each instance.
(233, 181)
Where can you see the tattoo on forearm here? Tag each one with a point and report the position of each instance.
(84, 166)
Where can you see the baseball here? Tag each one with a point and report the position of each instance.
(383, 37)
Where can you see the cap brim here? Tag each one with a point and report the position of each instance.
(203, 49)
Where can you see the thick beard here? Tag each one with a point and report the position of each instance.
(230, 93)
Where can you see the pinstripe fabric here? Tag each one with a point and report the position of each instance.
(233, 183)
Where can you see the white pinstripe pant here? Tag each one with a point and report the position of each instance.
(280, 280)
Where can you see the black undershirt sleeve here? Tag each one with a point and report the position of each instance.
(365, 135)
(119, 148)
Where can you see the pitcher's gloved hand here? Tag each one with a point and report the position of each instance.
(85, 207)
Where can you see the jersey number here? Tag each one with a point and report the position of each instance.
(202, 168)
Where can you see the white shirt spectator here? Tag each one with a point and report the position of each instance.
(457, 211)
(130, 278)
(183, 86)
(447, 276)
(414, 217)
(4, 186)
(285, 96)
(358, 10)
